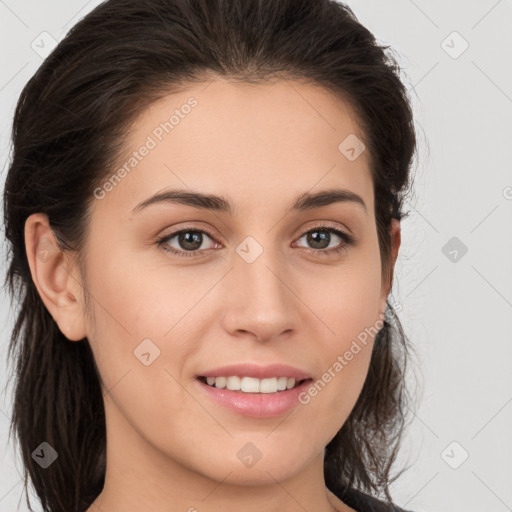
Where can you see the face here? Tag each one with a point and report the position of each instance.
(179, 290)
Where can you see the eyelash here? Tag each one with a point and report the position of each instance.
(348, 240)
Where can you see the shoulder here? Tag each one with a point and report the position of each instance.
(362, 502)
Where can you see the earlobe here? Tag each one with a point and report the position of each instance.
(51, 270)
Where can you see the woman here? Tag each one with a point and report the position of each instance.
(204, 207)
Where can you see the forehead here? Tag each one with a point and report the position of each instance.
(257, 143)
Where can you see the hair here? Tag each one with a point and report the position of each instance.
(69, 128)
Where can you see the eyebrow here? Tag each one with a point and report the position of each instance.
(210, 202)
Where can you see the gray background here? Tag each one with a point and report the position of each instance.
(456, 305)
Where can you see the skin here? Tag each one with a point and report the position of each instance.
(169, 447)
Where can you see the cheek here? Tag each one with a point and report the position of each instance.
(142, 314)
(346, 358)
(138, 352)
(348, 306)
(138, 298)
(346, 298)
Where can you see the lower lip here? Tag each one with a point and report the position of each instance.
(257, 405)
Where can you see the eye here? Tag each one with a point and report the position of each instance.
(189, 241)
(320, 239)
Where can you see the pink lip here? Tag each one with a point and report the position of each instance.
(258, 372)
(256, 405)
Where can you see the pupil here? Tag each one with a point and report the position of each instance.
(194, 238)
(313, 237)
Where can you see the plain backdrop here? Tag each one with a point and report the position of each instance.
(454, 274)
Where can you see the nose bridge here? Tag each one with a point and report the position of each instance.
(258, 265)
(263, 300)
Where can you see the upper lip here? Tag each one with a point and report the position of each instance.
(258, 372)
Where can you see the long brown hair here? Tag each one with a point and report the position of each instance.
(68, 132)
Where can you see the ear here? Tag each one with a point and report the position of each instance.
(55, 277)
(395, 246)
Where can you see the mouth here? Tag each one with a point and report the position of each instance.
(272, 398)
(253, 385)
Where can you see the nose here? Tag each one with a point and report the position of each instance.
(260, 301)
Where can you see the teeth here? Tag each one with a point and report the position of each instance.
(252, 385)
(233, 383)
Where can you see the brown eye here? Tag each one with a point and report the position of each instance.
(320, 238)
(188, 242)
